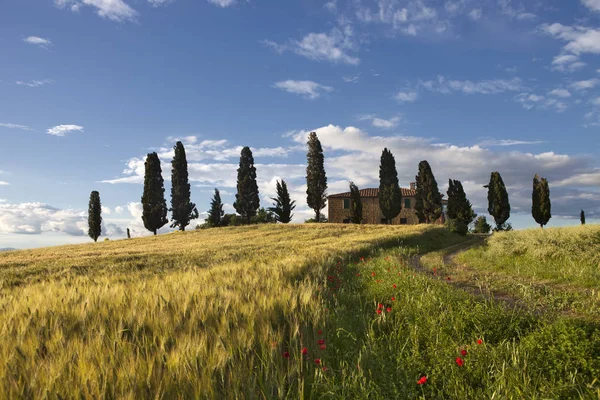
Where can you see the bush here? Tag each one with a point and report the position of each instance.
(264, 217)
(457, 226)
(313, 220)
(481, 225)
(106, 239)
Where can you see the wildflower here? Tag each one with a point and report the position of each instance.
(321, 341)
(319, 332)
(324, 369)
(459, 361)
(479, 341)
(394, 286)
(304, 351)
(317, 361)
(372, 273)
(389, 309)
(286, 354)
(463, 352)
(323, 347)
(393, 299)
(422, 381)
(358, 274)
(380, 306)
(378, 311)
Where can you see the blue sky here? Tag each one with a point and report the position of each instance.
(89, 87)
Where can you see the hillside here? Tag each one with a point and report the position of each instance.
(298, 311)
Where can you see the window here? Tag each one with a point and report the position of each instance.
(346, 204)
(403, 221)
(406, 203)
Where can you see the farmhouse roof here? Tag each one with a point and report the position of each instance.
(373, 192)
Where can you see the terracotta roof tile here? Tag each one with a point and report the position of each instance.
(373, 192)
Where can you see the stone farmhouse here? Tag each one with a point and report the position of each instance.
(339, 207)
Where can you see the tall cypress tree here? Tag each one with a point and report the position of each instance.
(316, 181)
(94, 216)
(390, 197)
(428, 201)
(154, 205)
(582, 217)
(246, 199)
(459, 207)
(540, 201)
(283, 206)
(181, 206)
(215, 214)
(356, 209)
(498, 205)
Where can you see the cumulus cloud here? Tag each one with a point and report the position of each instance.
(380, 122)
(560, 93)
(307, 89)
(35, 218)
(114, 10)
(406, 97)
(39, 41)
(585, 84)
(580, 40)
(62, 130)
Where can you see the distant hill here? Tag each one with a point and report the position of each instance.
(7, 249)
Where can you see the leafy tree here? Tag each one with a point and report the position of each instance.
(322, 218)
(582, 217)
(540, 204)
(94, 216)
(390, 197)
(215, 214)
(181, 206)
(316, 180)
(498, 205)
(264, 216)
(457, 226)
(459, 207)
(154, 205)
(428, 201)
(481, 225)
(356, 209)
(231, 220)
(246, 199)
(283, 206)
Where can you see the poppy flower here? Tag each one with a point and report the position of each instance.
(393, 299)
(286, 354)
(479, 341)
(304, 350)
(394, 286)
(324, 369)
(317, 361)
(459, 361)
(323, 347)
(372, 273)
(378, 311)
(380, 306)
(321, 341)
(463, 352)
(389, 309)
(319, 332)
(358, 274)
(422, 381)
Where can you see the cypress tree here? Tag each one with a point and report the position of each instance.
(246, 199)
(316, 181)
(582, 217)
(428, 201)
(128, 234)
(459, 207)
(356, 209)
(498, 205)
(283, 206)
(94, 216)
(540, 201)
(390, 197)
(154, 205)
(183, 210)
(215, 214)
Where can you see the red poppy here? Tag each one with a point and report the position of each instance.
(463, 352)
(286, 354)
(380, 306)
(389, 309)
(358, 274)
(372, 273)
(317, 361)
(324, 369)
(319, 332)
(479, 341)
(321, 341)
(378, 311)
(422, 381)
(304, 350)
(394, 286)
(393, 299)
(323, 347)
(459, 361)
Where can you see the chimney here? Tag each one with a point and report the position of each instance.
(413, 186)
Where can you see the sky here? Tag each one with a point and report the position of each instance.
(89, 87)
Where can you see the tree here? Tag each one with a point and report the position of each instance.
(459, 207)
(246, 199)
(128, 234)
(582, 217)
(264, 216)
(356, 209)
(428, 201)
(283, 206)
(316, 181)
(481, 225)
(154, 205)
(215, 214)
(498, 205)
(94, 216)
(390, 197)
(540, 201)
(322, 218)
(183, 210)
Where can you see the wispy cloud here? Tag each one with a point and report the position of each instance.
(406, 97)
(35, 83)
(15, 126)
(382, 123)
(39, 41)
(560, 93)
(351, 79)
(222, 3)
(490, 86)
(507, 142)
(593, 5)
(62, 130)
(585, 84)
(580, 40)
(2, 183)
(307, 89)
(115, 10)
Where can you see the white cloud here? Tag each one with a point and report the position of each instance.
(307, 89)
(475, 14)
(580, 40)
(588, 179)
(519, 13)
(42, 42)
(158, 3)
(560, 93)
(62, 130)
(490, 86)
(115, 10)
(35, 218)
(586, 84)
(331, 5)
(15, 126)
(2, 183)
(406, 97)
(593, 5)
(351, 79)
(508, 142)
(382, 123)
(333, 46)
(119, 210)
(106, 210)
(222, 3)
(35, 83)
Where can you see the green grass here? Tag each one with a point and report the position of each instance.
(214, 313)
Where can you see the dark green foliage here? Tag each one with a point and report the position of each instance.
(459, 207)
(264, 216)
(582, 217)
(154, 205)
(322, 218)
(498, 205)
(128, 234)
(183, 210)
(457, 226)
(390, 197)
(283, 206)
(94, 216)
(428, 201)
(356, 209)
(231, 220)
(316, 181)
(246, 199)
(481, 225)
(540, 201)
(215, 214)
